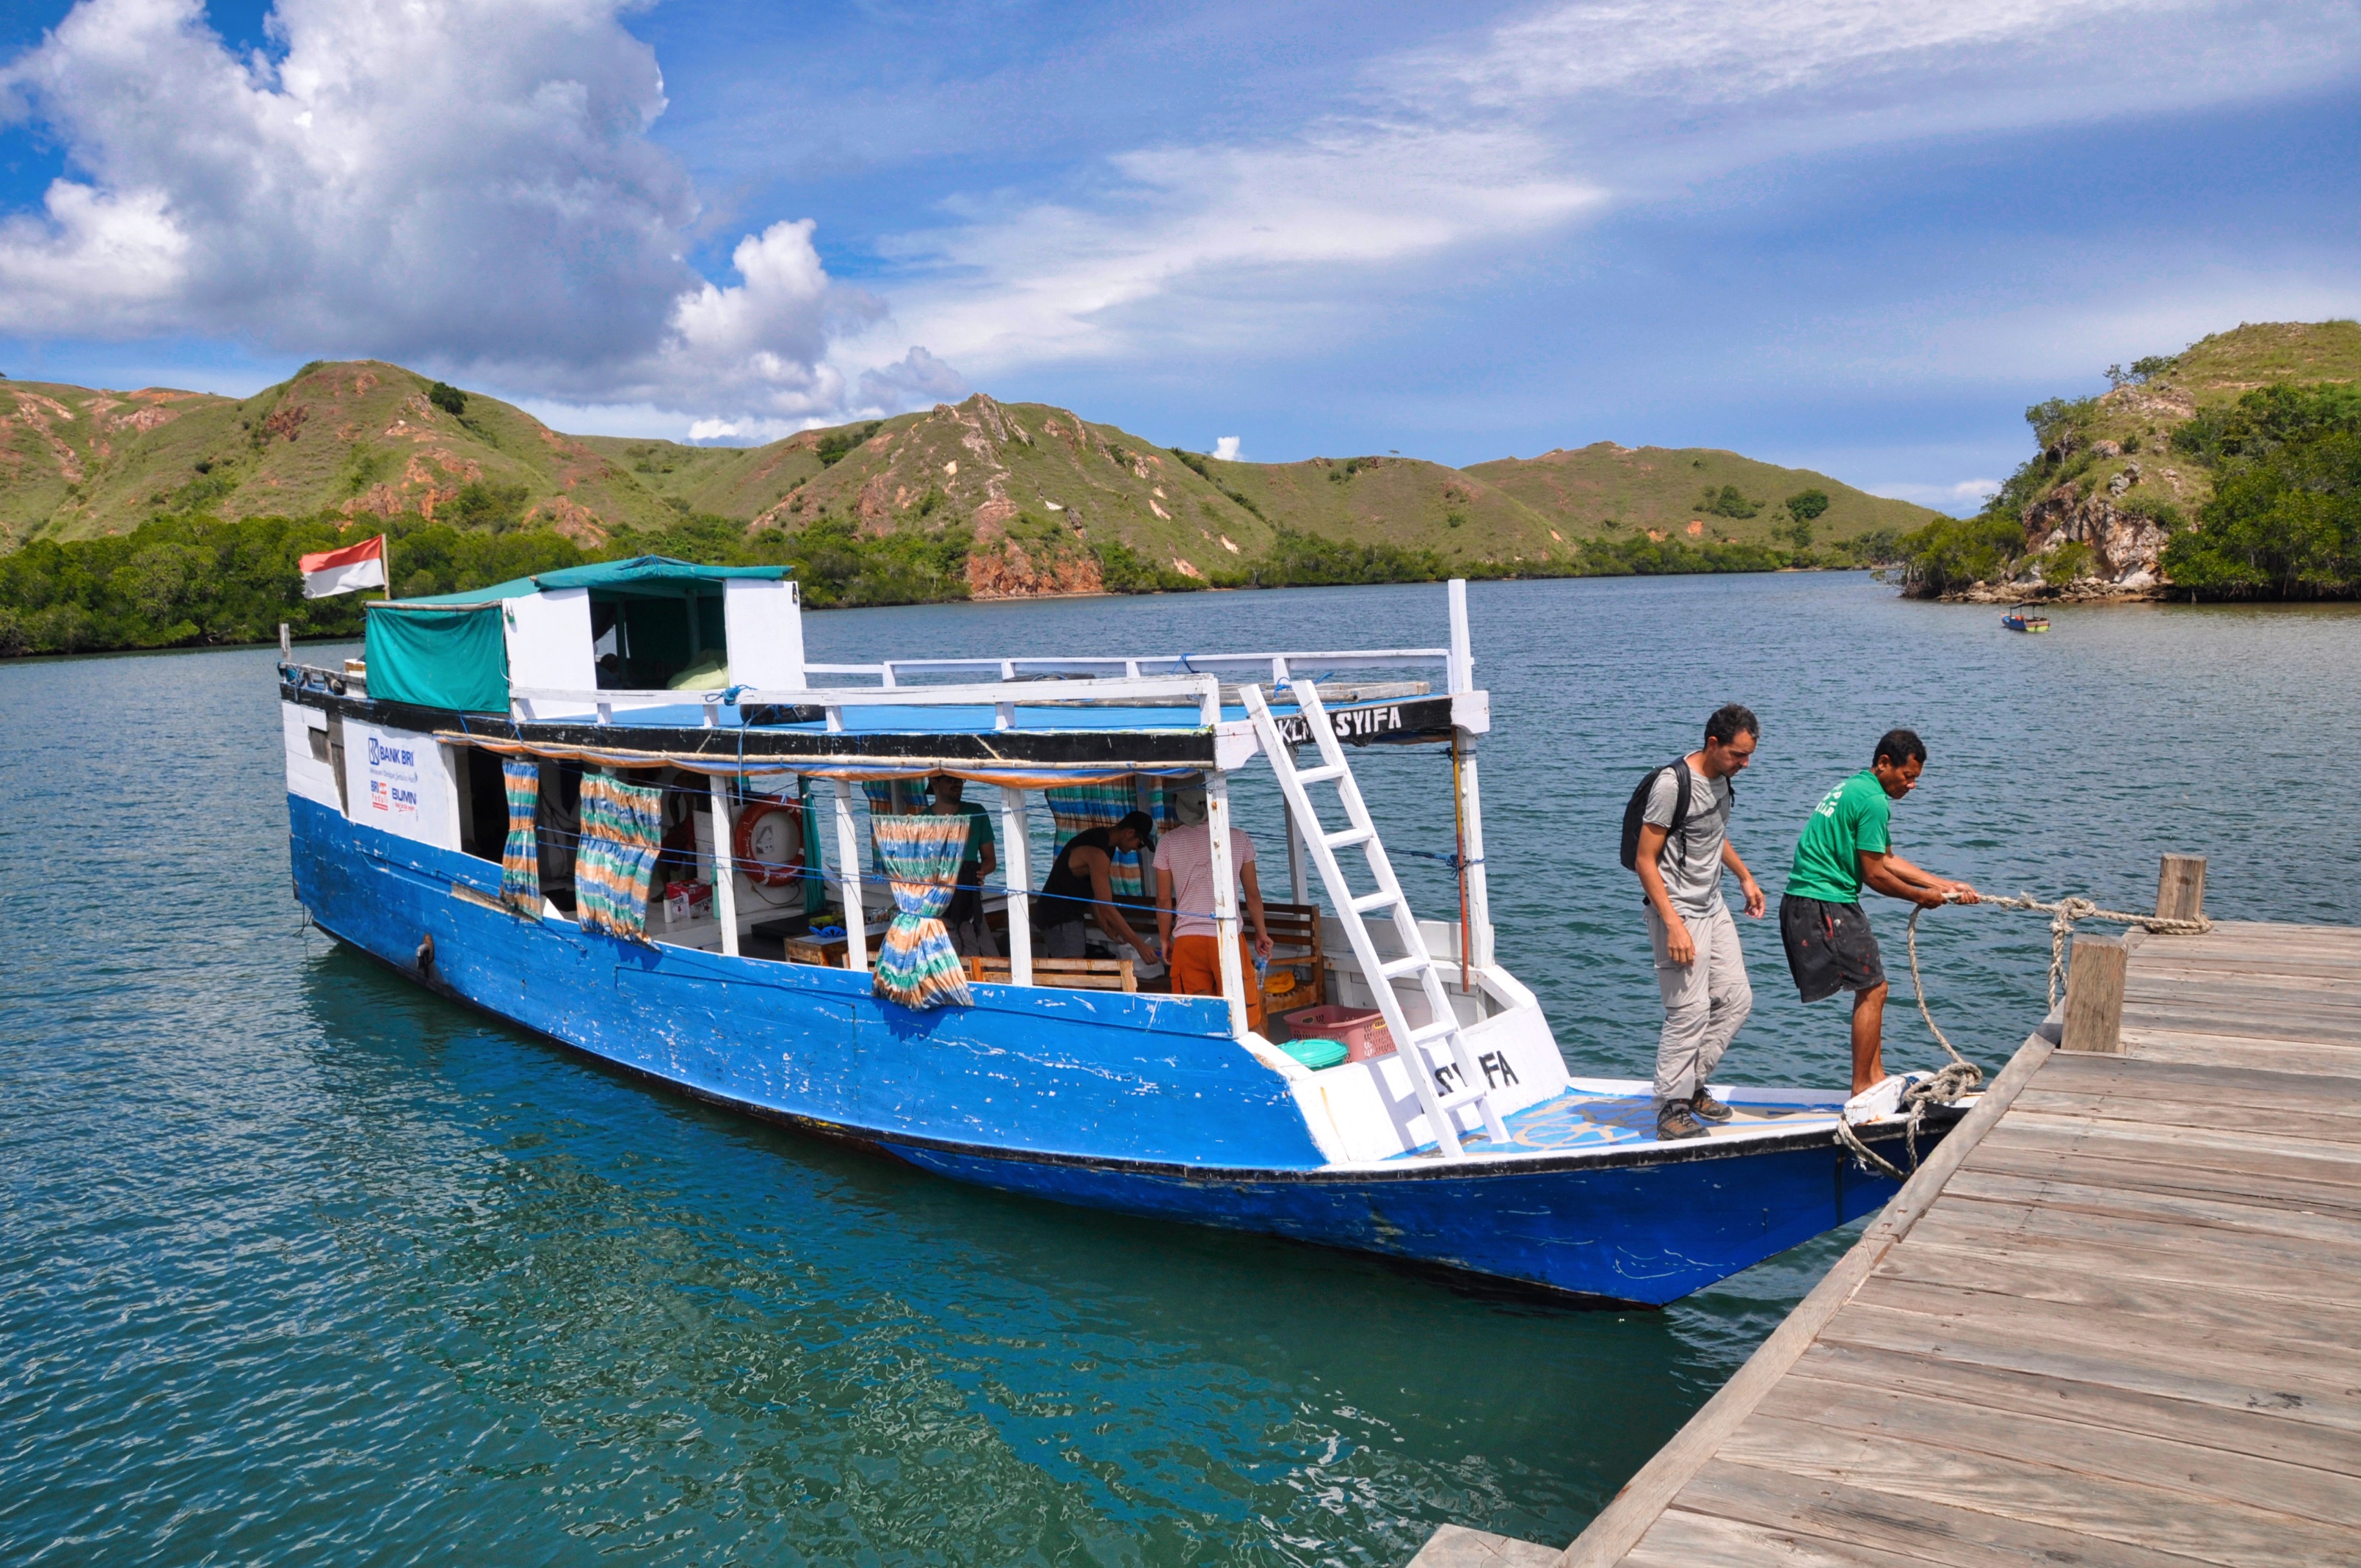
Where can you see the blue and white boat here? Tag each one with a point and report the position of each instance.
(617, 805)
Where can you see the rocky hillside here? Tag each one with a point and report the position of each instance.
(1049, 497)
(2118, 476)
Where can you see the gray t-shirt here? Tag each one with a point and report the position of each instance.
(1692, 859)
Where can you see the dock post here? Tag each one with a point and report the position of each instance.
(2180, 888)
(286, 644)
(2094, 995)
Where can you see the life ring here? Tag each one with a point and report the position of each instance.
(768, 872)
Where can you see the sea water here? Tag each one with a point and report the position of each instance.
(304, 1266)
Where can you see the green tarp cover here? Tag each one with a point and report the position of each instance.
(603, 575)
(455, 659)
(647, 569)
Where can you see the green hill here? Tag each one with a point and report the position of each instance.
(357, 440)
(2131, 491)
(160, 516)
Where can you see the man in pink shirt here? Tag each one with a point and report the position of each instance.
(1185, 905)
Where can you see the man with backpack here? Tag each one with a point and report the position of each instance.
(1845, 846)
(1676, 835)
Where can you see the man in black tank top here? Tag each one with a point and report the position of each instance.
(1080, 890)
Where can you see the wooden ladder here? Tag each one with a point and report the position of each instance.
(1429, 1049)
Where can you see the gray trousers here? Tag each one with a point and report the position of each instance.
(1705, 1000)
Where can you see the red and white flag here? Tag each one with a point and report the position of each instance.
(354, 566)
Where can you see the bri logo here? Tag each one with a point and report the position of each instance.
(400, 756)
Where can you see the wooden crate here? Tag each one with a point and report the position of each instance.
(1069, 974)
(1294, 931)
(828, 954)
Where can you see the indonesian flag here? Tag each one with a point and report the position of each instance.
(334, 572)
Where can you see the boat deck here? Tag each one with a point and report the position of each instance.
(1588, 1117)
(2112, 1323)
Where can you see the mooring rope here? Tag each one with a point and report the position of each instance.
(1961, 1076)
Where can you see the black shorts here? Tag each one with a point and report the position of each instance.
(1829, 946)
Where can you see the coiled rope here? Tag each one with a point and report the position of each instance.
(1961, 1076)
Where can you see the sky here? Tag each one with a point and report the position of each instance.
(1856, 236)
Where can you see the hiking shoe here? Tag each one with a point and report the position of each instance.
(1673, 1121)
(1706, 1108)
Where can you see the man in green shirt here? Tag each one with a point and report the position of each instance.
(964, 918)
(1844, 845)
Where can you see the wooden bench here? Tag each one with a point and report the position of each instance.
(1070, 974)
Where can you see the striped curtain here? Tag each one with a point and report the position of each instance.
(622, 827)
(1073, 807)
(521, 855)
(916, 964)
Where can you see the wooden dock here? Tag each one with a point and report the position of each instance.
(2114, 1319)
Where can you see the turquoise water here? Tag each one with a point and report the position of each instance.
(305, 1267)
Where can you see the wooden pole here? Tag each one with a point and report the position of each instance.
(847, 851)
(2094, 995)
(2180, 888)
(725, 870)
(1017, 871)
(1225, 898)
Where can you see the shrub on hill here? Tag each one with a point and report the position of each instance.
(2284, 519)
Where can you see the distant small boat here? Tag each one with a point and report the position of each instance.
(2016, 622)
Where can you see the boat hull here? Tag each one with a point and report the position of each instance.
(1138, 1104)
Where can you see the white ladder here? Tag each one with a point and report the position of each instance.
(1418, 1047)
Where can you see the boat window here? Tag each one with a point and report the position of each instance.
(483, 804)
(652, 641)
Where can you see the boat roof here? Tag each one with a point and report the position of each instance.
(641, 574)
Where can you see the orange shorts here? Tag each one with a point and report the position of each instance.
(1196, 963)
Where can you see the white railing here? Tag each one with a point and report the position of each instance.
(1201, 691)
(1278, 668)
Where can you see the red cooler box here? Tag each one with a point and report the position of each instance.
(1362, 1030)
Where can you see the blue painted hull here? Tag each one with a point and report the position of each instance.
(1139, 1104)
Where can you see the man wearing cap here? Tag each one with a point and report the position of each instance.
(1185, 905)
(1080, 890)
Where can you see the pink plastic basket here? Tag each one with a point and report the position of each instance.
(1362, 1030)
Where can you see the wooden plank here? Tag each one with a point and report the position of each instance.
(2164, 1340)
(2170, 1463)
(2258, 1433)
(2186, 1269)
(2304, 1326)
(1683, 1540)
(2208, 1179)
(1455, 1546)
(1910, 1527)
(2321, 1058)
(2221, 1083)
(2193, 1140)
(2199, 1215)
(2094, 995)
(2233, 1383)
(2326, 1127)
(2061, 1497)
(2223, 1015)
(1971, 1221)
(2172, 1081)
(1642, 1499)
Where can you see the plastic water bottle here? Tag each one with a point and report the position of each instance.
(1262, 971)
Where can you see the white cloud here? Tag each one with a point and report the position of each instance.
(1225, 448)
(461, 184)
(1051, 280)
(1476, 151)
